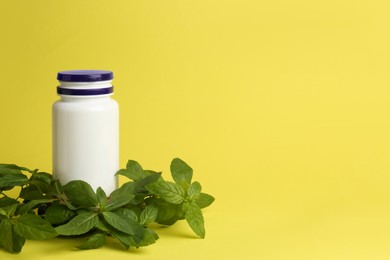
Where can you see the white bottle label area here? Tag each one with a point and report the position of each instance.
(86, 141)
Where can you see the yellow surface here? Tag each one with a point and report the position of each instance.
(281, 107)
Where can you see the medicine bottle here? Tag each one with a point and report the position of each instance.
(86, 129)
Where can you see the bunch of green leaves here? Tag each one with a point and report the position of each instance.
(18, 220)
(45, 209)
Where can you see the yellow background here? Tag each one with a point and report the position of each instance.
(281, 107)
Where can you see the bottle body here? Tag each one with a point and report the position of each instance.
(86, 138)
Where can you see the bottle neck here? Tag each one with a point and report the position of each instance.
(85, 89)
(85, 85)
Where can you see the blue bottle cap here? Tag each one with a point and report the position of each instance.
(84, 75)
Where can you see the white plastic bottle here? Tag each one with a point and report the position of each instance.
(86, 129)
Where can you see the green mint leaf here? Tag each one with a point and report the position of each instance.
(17, 242)
(69, 205)
(33, 227)
(169, 191)
(136, 188)
(9, 205)
(148, 215)
(32, 192)
(12, 168)
(6, 201)
(119, 223)
(42, 176)
(140, 184)
(125, 239)
(9, 239)
(101, 197)
(127, 214)
(39, 186)
(58, 214)
(150, 172)
(194, 190)
(204, 200)
(125, 223)
(6, 235)
(57, 191)
(80, 194)
(132, 219)
(102, 225)
(32, 204)
(194, 218)
(3, 212)
(168, 213)
(78, 225)
(95, 241)
(128, 241)
(11, 209)
(125, 189)
(181, 172)
(56, 188)
(117, 202)
(12, 179)
(133, 171)
(150, 237)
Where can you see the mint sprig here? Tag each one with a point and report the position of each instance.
(45, 209)
(181, 199)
